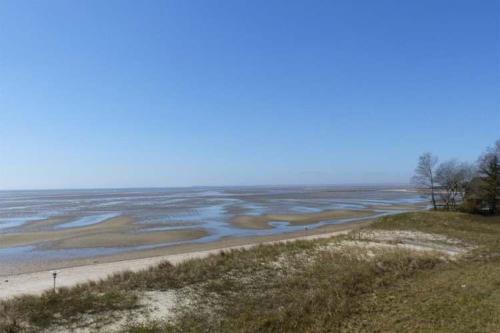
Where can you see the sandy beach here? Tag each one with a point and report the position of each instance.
(79, 271)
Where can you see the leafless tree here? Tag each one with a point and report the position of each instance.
(453, 178)
(489, 171)
(424, 174)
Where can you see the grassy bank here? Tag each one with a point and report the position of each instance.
(398, 274)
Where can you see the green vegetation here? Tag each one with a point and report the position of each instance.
(331, 285)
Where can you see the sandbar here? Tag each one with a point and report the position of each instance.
(262, 221)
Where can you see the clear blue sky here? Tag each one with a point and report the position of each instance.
(177, 93)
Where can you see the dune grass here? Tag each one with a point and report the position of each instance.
(302, 286)
(67, 306)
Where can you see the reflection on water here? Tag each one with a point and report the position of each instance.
(87, 220)
(12, 222)
(177, 209)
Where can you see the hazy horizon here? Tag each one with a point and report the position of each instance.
(387, 184)
(120, 94)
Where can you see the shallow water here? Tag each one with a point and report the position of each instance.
(87, 220)
(156, 210)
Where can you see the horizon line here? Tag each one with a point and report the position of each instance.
(205, 186)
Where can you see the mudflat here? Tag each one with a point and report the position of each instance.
(263, 221)
(58, 228)
(116, 232)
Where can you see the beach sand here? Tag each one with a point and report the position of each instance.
(38, 277)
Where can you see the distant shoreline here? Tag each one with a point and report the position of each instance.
(366, 185)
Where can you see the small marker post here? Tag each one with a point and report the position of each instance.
(54, 276)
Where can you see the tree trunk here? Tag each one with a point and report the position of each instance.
(433, 198)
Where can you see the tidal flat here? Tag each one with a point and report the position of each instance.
(44, 228)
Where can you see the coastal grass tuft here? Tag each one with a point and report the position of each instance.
(66, 306)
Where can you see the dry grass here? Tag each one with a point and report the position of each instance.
(305, 296)
(66, 307)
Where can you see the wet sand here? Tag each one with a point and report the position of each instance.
(263, 221)
(113, 239)
(39, 277)
(115, 232)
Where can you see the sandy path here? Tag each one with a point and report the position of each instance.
(36, 283)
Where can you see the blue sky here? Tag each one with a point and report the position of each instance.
(180, 93)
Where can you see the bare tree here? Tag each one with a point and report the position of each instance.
(489, 171)
(467, 172)
(424, 174)
(453, 178)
